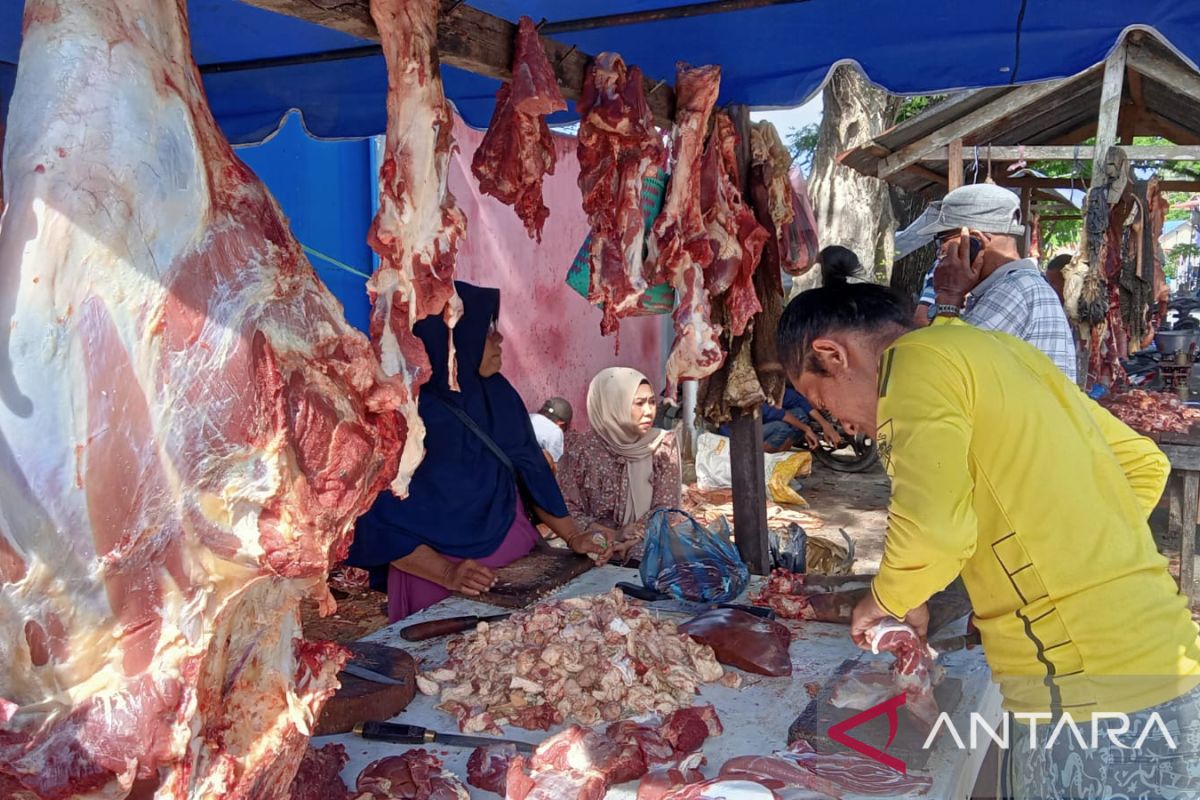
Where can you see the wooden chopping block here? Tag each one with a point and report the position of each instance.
(359, 699)
(528, 579)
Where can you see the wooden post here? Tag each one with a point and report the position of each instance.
(746, 431)
(1187, 535)
(955, 165)
(1026, 197)
(1110, 110)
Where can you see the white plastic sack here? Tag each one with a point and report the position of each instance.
(713, 470)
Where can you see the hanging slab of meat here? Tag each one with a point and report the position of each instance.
(734, 234)
(418, 228)
(517, 151)
(783, 207)
(618, 146)
(414, 775)
(188, 429)
(679, 244)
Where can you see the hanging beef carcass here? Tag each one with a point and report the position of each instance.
(734, 235)
(618, 146)
(418, 228)
(517, 151)
(188, 429)
(679, 245)
(783, 208)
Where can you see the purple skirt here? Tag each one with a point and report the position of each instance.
(408, 594)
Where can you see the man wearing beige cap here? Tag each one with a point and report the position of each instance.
(981, 276)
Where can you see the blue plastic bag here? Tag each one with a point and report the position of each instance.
(690, 562)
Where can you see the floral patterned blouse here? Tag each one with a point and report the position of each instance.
(594, 485)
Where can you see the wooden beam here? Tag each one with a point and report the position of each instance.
(661, 14)
(749, 479)
(928, 174)
(1154, 124)
(1007, 105)
(955, 154)
(748, 472)
(1065, 183)
(1110, 110)
(1167, 71)
(471, 40)
(1026, 198)
(1137, 93)
(1085, 131)
(1068, 152)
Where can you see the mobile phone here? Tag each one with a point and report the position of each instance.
(976, 248)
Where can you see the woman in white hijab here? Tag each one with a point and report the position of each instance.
(615, 475)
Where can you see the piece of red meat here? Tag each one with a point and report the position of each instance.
(660, 782)
(414, 775)
(915, 668)
(584, 750)
(679, 244)
(648, 740)
(320, 775)
(618, 146)
(552, 784)
(852, 772)
(487, 768)
(517, 151)
(743, 640)
(418, 228)
(734, 234)
(189, 428)
(687, 728)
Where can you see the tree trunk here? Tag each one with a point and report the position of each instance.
(853, 210)
(908, 274)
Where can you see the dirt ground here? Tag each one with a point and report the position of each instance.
(855, 503)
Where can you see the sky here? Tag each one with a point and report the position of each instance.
(787, 119)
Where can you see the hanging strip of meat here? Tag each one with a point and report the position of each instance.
(734, 235)
(517, 151)
(618, 146)
(188, 430)
(418, 228)
(679, 244)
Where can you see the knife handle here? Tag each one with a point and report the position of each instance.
(393, 732)
(438, 627)
(641, 592)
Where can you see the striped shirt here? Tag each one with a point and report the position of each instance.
(1017, 300)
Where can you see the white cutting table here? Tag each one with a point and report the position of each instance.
(756, 717)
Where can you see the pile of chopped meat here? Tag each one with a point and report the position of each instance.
(413, 775)
(580, 762)
(587, 659)
(1152, 412)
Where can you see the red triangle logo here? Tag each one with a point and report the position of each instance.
(890, 707)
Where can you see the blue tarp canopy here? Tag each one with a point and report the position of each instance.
(772, 57)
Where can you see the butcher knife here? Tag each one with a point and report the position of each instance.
(688, 606)
(434, 628)
(359, 671)
(414, 734)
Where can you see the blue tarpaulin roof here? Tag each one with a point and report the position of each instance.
(774, 56)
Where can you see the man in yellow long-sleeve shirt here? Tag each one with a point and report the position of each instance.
(1003, 472)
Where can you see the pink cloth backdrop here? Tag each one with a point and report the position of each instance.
(552, 341)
